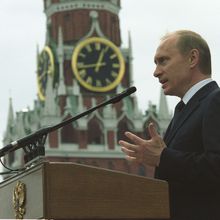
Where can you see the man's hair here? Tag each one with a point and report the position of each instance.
(188, 40)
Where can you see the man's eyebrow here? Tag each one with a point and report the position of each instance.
(161, 58)
(155, 59)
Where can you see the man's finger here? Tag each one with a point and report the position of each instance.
(128, 152)
(137, 140)
(152, 130)
(129, 146)
(131, 159)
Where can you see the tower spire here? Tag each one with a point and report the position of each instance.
(163, 113)
(10, 120)
(130, 58)
(163, 106)
(60, 54)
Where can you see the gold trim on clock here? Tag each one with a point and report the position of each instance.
(45, 68)
(98, 64)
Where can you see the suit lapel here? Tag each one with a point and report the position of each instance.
(191, 106)
(185, 114)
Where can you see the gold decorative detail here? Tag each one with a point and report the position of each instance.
(93, 61)
(19, 197)
(45, 69)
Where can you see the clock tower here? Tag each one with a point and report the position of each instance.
(82, 64)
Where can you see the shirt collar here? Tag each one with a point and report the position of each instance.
(195, 88)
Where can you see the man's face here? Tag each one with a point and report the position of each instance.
(172, 68)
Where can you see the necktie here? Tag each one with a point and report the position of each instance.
(177, 113)
(179, 107)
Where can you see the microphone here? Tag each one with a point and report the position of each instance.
(34, 137)
(122, 95)
(22, 142)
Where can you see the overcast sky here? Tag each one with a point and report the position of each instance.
(22, 27)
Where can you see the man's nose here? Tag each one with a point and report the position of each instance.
(157, 72)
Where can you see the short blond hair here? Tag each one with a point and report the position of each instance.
(188, 40)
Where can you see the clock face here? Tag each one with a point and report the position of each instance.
(98, 64)
(45, 69)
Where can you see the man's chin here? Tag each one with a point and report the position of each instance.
(166, 91)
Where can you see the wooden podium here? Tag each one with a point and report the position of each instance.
(73, 191)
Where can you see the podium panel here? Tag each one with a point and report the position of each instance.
(73, 191)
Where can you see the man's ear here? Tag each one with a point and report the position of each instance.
(193, 57)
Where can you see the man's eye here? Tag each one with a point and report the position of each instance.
(162, 60)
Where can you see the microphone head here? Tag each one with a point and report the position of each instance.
(122, 95)
(131, 90)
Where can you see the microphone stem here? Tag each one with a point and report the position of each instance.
(72, 119)
(36, 136)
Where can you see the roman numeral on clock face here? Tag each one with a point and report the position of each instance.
(113, 56)
(108, 81)
(114, 74)
(82, 55)
(82, 73)
(98, 83)
(115, 65)
(89, 80)
(97, 46)
(88, 47)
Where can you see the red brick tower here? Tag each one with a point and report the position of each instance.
(81, 65)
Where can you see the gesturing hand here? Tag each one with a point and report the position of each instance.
(144, 151)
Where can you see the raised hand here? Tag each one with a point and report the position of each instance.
(144, 151)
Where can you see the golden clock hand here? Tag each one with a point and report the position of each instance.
(42, 75)
(90, 65)
(99, 61)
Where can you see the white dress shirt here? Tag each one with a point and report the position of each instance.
(192, 91)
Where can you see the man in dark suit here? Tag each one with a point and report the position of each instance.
(188, 156)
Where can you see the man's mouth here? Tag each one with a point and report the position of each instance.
(163, 82)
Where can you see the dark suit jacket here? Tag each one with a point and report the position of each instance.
(191, 161)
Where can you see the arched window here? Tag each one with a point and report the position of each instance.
(69, 133)
(95, 132)
(123, 125)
